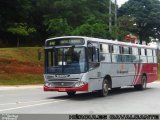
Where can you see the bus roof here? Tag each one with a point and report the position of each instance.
(104, 41)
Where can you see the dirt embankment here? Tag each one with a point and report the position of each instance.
(13, 66)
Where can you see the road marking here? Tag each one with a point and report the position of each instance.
(19, 102)
(31, 105)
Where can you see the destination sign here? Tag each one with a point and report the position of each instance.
(66, 41)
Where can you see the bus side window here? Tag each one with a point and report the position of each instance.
(139, 51)
(143, 57)
(155, 56)
(104, 53)
(135, 54)
(130, 54)
(116, 57)
(90, 54)
(111, 49)
(93, 55)
(150, 55)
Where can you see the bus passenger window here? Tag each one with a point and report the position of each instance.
(90, 54)
(155, 56)
(93, 54)
(146, 52)
(116, 57)
(93, 57)
(135, 54)
(104, 53)
(139, 51)
(150, 55)
(111, 49)
(130, 50)
(143, 57)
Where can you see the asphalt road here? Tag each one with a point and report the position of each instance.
(35, 101)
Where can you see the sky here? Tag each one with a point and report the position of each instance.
(120, 2)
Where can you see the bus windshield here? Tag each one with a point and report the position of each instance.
(68, 60)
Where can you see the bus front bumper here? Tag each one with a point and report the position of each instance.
(82, 88)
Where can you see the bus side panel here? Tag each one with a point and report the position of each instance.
(128, 72)
(121, 74)
(138, 69)
(150, 70)
(95, 80)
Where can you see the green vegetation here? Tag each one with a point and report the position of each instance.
(146, 15)
(20, 79)
(20, 66)
(20, 29)
(30, 22)
(22, 54)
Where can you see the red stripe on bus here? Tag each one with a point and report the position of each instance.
(82, 88)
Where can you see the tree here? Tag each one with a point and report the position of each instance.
(126, 25)
(93, 28)
(14, 11)
(58, 27)
(20, 29)
(146, 14)
(78, 11)
(52, 18)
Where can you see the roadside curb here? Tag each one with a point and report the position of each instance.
(20, 87)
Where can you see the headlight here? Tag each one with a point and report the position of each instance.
(79, 84)
(49, 84)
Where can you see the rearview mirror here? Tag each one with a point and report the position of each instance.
(39, 54)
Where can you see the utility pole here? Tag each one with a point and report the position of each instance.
(115, 20)
(110, 16)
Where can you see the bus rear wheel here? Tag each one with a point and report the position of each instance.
(105, 88)
(71, 93)
(143, 84)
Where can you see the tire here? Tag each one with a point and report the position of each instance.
(143, 84)
(105, 88)
(71, 93)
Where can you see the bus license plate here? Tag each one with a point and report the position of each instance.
(62, 89)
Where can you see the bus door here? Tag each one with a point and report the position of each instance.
(94, 66)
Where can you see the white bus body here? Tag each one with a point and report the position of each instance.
(101, 65)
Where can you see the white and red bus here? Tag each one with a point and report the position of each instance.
(75, 63)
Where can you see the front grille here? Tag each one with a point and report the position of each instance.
(63, 84)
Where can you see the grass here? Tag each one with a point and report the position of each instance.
(18, 66)
(23, 54)
(20, 79)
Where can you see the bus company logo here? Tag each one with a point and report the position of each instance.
(122, 69)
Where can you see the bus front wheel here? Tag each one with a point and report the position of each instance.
(105, 87)
(143, 84)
